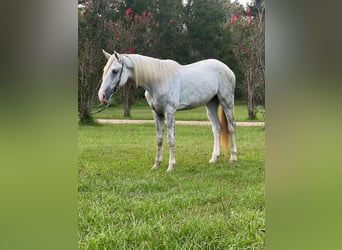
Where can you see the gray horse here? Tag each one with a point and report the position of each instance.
(171, 87)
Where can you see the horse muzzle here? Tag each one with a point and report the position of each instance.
(103, 97)
(106, 96)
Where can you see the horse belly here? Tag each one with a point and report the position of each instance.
(196, 94)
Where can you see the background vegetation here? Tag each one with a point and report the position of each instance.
(186, 31)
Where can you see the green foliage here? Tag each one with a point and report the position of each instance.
(171, 31)
(162, 29)
(204, 23)
(123, 204)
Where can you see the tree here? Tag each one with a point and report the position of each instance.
(248, 31)
(169, 14)
(91, 34)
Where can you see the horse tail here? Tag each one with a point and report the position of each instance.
(225, 135)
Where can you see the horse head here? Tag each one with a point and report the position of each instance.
(115, 74)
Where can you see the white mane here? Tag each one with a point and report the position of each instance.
(152, 70)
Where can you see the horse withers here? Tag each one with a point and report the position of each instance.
(170, 87)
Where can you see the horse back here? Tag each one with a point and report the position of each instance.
(201, 81)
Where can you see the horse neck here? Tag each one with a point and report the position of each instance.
(150, 71)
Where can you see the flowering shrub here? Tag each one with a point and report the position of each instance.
(133, 32)
(248, 35)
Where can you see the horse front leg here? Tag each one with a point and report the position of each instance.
(170, 119)
(159, 120)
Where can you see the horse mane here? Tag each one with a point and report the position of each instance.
(152, 70)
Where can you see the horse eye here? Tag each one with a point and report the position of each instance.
(114, 71)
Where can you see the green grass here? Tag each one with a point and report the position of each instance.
(143, 112)
(123, 204)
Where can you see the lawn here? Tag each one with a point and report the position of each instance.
(143, 112)
(123, 204)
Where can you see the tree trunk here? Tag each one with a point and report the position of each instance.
(250, 95)
(127, 99)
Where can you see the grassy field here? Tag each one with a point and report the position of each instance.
(123, 204)
(143, 112)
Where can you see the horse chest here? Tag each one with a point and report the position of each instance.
(160, 102)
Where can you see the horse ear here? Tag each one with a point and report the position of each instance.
(107, 55)
(117, 55)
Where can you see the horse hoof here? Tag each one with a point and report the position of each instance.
(232, 159)
(213, 160)
(169, 169)
(156, 165)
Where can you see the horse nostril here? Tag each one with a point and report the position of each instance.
(102, 96)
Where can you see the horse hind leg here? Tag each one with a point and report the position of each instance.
(212, 107)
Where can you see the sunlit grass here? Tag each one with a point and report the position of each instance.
(123, 204)
(143, 112)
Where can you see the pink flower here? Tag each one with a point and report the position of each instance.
(157, 25)
(249, 11)
(131, 50)
(136, 16)
(235, 18)
(171, 20)
(128, 11)
(149, 13)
